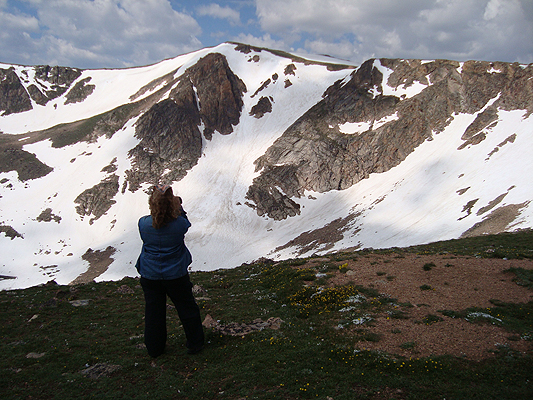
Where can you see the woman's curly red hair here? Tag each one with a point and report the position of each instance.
(164, 206)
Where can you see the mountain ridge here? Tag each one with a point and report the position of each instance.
(274, 155)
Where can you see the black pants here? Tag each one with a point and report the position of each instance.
(155, 328)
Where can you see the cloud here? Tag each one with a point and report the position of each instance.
(264, 41)
(343, 49)
(356, 29)
(122, 33)
(215, 11)
(18, 23)
(103, 33)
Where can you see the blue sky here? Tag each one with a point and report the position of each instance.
(125, 33)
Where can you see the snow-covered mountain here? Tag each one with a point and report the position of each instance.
(274, 155)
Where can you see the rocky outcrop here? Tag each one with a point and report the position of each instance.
(220, 109)
(57, 80)
(315, 155)
(263, 106)
(263, 86)
(98, 199)
(13, 95)
(170, 145)
(170, 131)
(10, 232)
(27, 165)
(80, 91)
(49, 83)
(497, 221)
(48, 216)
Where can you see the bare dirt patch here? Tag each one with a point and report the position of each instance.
(424, 285)
(99, 261)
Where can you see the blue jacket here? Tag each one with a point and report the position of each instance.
(164, 254)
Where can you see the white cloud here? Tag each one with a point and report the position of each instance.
(264, 41)
(18, 23)
(214, 10)
(120, 33)
(342, 49)
(106, 33)
(457, 29)
(334, 17)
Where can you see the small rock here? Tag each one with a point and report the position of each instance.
(34, 317)
(275, 323)
(197, 289)
(125, 289)
(100, 369)
(209, 322)
(35, 355)
(80, 303)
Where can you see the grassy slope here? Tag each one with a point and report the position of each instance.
(306, 358)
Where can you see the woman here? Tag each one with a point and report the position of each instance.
(163, 268)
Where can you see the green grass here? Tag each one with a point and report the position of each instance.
(524, 277)
(505, 245)
(428, 266)
(67, 134)
(514, 317)
(312, 356)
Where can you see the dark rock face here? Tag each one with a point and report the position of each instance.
(47, 216)
(60, 79)
(263, 106)
(170, 139)
(13, 95)
(98, 199)
(220, 109)
(80, 91)
(169, 132)
(37, 95)
(10, 232)
(263, 86)
(313, 154)
(58, 76)
(268, 197)
(289, 69)
(27, 165)
(112, 167)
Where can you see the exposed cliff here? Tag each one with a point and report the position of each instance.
(205, 99)
(314, 154)
(48, 83)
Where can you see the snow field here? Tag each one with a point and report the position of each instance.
(418, 201)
